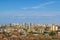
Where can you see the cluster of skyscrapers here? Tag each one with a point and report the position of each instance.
(28, 27)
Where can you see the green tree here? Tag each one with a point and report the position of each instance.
(52, 33)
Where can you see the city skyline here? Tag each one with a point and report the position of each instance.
(34, 11)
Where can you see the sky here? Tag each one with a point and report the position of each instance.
(34, 11)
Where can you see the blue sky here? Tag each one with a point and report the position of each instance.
(34, 11)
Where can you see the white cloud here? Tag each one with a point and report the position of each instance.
(40, 6)
(43, 5)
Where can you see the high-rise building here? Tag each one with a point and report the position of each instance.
(54, 28)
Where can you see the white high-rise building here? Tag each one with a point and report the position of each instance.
(54, 28)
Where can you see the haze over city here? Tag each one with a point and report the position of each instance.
(34, 11)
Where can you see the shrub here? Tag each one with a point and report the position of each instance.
(52, 33)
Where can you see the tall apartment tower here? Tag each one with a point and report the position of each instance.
(54, 28)
(30, 25)
(25, 25)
